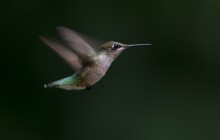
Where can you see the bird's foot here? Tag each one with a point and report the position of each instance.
(88, 87)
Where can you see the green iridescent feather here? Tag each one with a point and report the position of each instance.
(66, 82)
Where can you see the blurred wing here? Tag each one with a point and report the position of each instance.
(71, 58)
(78, 45)
(94, 42)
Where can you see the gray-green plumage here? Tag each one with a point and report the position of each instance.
(67, 83)
(90, 65)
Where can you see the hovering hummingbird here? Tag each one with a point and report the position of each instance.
(90, 65)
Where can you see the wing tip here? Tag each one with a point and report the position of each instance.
(44, 38)
(62, 29)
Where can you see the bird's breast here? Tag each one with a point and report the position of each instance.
(94, 73)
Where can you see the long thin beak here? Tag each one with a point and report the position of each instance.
(134, 45)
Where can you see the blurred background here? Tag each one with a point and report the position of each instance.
(169, 91)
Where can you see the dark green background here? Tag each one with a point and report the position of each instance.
(166, 92)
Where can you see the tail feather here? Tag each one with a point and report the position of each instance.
(65, 83)
(51, 85)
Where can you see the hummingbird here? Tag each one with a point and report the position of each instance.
(89, 64)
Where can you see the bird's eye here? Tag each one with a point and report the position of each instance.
(116, 46)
